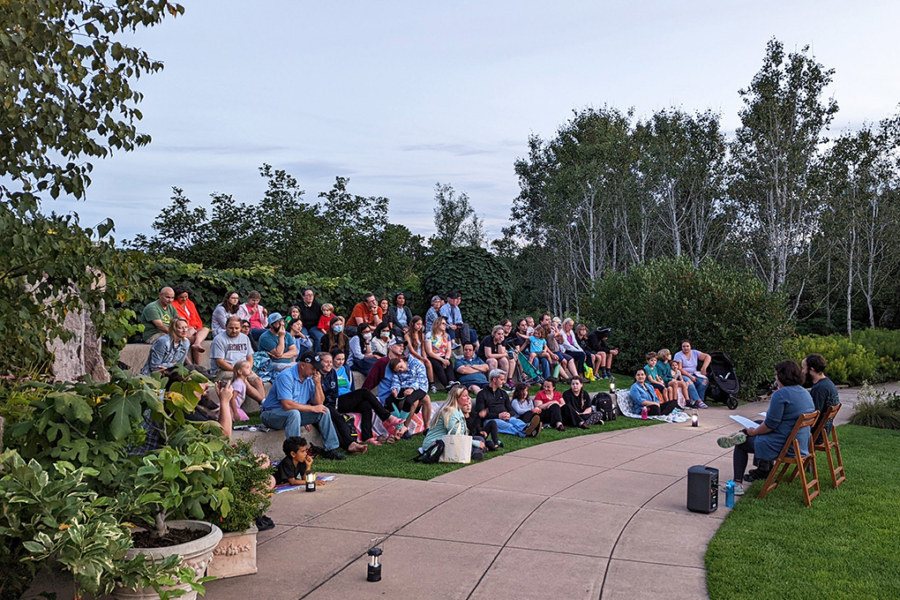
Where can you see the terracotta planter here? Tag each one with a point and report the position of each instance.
(196, 554)
(235, 555)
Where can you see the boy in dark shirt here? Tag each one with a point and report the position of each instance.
(296, 462)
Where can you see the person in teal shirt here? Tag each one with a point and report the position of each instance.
(451, 420)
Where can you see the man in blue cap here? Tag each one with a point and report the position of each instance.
(280, 345)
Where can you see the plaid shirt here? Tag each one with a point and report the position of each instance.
(415, 377)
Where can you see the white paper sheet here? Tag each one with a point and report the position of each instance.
(745, 421)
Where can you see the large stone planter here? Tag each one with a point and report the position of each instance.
(235, 555)
(196, 554)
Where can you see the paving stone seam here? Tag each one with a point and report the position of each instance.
(277, 535)
(384, 540)
(647, 562)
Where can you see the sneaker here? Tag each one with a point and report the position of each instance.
(534, 428)
(333, 455)
(701, 404)
(756, 475)
(406, 436)
(735, 439)
(432, 389)
(738, 489)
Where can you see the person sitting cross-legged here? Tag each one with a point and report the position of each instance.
(493, 402)
(409, 388)
(297, 399)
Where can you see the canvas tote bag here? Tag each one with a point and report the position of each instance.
(457, 447)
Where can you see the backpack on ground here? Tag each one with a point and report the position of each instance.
(605, 406)
(432, 455)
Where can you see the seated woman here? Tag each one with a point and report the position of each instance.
(400, 315)
(341, 395)
(380, 339)
(168, 350)
(302, 342)
(550, 402)
(197, 333)
(361, 350)
(569, 345)
(415, 342)
(227, 308)
(583, 342)
(765, 441)
(579, 403)
(336, 338)
(548, 398)
(437, 347)
(642, 395)
(567, 368)
(254, 312)
(451, 420)
(385, 307)
(493, 352)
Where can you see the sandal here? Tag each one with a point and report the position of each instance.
(560, 427)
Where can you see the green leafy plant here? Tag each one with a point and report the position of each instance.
(249, 489)
(847, 362)
(54, 514)
(660, 303)
(877, 409)
(483, 280)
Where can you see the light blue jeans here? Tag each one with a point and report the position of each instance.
(696, 391)
(292, 422)
(316, 336)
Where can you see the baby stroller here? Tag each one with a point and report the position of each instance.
(723, 381)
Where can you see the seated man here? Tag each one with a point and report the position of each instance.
(456, 329)
(280, 344)
(296, 399)
(409, 389)
(367, 312)
(230, 348)
(493, 402)
(471, 371)
(158, 315)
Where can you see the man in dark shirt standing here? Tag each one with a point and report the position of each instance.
(823, 391)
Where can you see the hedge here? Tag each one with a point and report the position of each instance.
(872, 355)
(660, 303)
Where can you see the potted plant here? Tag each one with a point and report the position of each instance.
(100, 430)
(251, 496)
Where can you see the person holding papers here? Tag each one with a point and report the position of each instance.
(766, 440)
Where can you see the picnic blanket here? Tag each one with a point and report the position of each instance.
(626, 407)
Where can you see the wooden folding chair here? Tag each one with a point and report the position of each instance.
(821, 443)
(783, 462)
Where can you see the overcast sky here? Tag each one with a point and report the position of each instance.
(400, 95)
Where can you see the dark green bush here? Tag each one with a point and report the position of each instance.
(658, 304)
(250, 489)
(483, 280)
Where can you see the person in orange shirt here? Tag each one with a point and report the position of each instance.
(367, 312)
(197, 333)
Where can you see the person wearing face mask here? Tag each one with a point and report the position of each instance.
(336, 338)
(361, 349)
(380, 339)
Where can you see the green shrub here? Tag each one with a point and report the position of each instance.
(484, 281)
(250, 489)
(847, 362)
(657, 304)
(876, 408)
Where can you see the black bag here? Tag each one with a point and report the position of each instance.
(605, 406)
(351, 425)
(432, 455)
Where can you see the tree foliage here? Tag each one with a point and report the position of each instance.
(66, 83)
(657, 304)
(455, 220)
(481, 278)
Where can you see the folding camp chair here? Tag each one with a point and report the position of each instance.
(526, 371)
(781, 464)
(821, 443)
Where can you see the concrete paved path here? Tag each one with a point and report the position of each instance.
(598, 516)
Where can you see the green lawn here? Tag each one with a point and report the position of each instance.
(847, 545)
(394, 460)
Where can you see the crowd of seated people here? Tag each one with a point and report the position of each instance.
(312, 354)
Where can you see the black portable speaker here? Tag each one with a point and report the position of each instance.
(702, 489)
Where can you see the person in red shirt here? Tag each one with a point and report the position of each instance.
(197, 332)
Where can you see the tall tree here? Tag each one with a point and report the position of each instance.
(455, 220)
(774, 152)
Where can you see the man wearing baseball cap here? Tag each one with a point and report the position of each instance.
(296, 399)
(280, 345)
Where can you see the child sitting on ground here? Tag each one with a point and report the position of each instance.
(655, 380)
(296, 462)
(677, 384)
(678, 375)
(243, 370)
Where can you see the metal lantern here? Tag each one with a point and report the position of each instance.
(612, 387)
(695, 419)
(310, 482)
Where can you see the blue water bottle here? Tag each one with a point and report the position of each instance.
(729, 494)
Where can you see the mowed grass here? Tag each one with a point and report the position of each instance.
(846, 545)
(395, 460)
